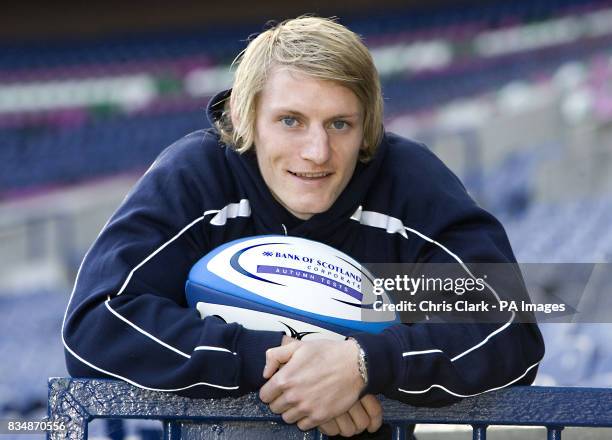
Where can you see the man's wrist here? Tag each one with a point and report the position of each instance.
(362, 363)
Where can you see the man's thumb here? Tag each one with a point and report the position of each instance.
(277, 356)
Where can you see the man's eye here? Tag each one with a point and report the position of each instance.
(289, 121)
(339, 125)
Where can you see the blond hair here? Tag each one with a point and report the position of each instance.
(315, 46)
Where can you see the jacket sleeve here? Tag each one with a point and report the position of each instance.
(429, 363)
(127, 316)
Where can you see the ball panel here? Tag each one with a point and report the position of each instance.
(203, 294)
(258, 320)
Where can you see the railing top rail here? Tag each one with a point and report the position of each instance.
(530, 406)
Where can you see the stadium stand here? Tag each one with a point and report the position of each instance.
(65, 155)
(31, 349)
(113, 91)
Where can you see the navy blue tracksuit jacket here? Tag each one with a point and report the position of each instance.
(127, 317)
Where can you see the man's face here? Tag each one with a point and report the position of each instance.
(308, 133)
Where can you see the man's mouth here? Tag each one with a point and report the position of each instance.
(310, 175)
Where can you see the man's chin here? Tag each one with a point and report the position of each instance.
(305, 211)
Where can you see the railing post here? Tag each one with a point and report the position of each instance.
(402, 431)
(479, 432)
(64, 408)
(319, 435)
(554, 432)
(172, 430)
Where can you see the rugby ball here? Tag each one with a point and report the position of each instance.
(273, 282)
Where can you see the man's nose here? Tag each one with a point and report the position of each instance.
(317, 148)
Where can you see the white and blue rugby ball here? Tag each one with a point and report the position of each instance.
(273, 282)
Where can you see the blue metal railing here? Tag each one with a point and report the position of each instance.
(75, 402)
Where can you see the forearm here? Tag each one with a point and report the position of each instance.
(155, 344)
(434, 364)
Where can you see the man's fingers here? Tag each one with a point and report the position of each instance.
(372, 406)
(277, 356)
(273, 388)
(310, 422)
(279, 405)
(330, 428)
(346, 425)
(292, 415)
(360, 418)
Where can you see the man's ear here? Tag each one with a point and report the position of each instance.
(363, 151)
(363, 147)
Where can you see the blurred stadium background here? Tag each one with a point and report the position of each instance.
(515, 96)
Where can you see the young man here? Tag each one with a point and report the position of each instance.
(298, 149)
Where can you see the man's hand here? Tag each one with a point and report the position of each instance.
(287, 340)
(365, 414)
(319, 381)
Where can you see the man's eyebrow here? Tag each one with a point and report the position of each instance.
(289, 111)
(347, 116)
